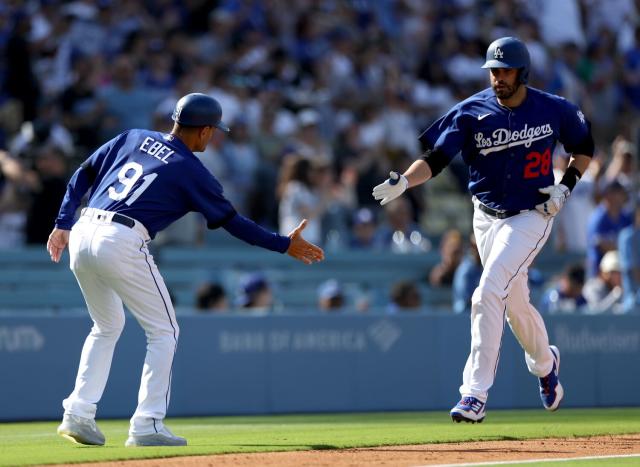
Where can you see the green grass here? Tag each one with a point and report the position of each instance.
(37, 442)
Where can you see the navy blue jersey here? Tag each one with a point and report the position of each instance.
(154, 178)
(508, 150)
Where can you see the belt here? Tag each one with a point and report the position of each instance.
(107, 216)
(499, 213)
(117, 218)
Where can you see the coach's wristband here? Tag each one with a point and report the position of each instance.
(571, 177)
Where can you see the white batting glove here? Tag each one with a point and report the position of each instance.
(393, 187)
(558, 195)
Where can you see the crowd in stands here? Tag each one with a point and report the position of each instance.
(324, 98)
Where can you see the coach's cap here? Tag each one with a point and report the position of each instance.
(610, 262)
(199, 109)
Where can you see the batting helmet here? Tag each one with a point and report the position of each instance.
(509, 52)
(198, 109)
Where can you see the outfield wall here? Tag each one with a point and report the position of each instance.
(278, 364)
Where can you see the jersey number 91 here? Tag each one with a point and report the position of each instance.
(128, 176)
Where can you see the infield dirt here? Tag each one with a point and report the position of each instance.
(413, 455)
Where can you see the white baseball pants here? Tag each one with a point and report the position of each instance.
(112, 265)
(507, 248)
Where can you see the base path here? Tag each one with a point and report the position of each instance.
(413, 455)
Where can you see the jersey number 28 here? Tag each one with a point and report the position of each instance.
(128, 180)
(539, 164)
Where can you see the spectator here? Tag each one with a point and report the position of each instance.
(298, 199)
(243, 160)
(308, 142)
(631, 71)
(211, 297)
(364, 231)
(331, 296)
(466, 278)
(566, 295)
(629, 248)
(14, 188)
(20, 81)
(604, 292)
(127, 104)
(605, 223)
(405, 296)
(623, 165)
(400, 232)
(451, 251)
(48, 186)
(255, 293)
(570, 225)
(82, 111)
(44, 129)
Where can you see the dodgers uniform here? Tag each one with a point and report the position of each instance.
(507, 135)
(140, 182)
(509, 156)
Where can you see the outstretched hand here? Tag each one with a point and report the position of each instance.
(301, 249)
(58, 240)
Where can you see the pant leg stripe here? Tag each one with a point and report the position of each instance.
(146, 258)
(525, 260)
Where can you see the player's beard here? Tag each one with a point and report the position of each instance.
(505, 91)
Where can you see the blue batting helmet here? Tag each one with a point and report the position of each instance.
(509, 52)
(198, 109)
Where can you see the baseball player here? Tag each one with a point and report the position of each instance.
(141, 181)
(506, 134)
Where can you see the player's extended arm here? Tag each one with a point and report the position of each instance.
(417, 173)
(293, 244)
(559, 193)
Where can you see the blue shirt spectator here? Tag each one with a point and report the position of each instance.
(629, 249)
(127, 104)
(605, 224)
(566, 295)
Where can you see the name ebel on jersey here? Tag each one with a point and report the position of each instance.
(502, 138)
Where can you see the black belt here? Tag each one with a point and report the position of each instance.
(118, 219)
(124, 220)
(499, 213)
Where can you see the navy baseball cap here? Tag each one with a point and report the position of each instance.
(197, 109)
(250, 285)
(509, 52)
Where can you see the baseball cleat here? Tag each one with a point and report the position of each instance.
(81, 430)
(551, 391)
(469, 409)
(163, 438)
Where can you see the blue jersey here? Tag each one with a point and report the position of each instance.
(508, 150)
(154, 178)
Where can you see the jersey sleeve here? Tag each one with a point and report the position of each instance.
(575, 130)
(447, 134)
(82, 180)
(207, 197)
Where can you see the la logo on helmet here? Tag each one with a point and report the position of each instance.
(497, 53)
